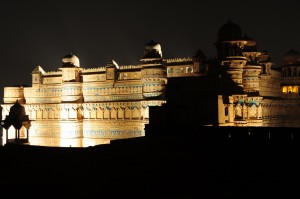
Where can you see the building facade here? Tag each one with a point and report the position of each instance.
(240, 87)
(97, 104)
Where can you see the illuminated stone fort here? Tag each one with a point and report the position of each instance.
(240, 87)
(98, 104)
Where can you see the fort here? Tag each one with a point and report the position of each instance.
(240, 87)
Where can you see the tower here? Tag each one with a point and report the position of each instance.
(71, 97)
(37, 74)
(71, 82)
(229, 51)
(252, 68)
(154, 73)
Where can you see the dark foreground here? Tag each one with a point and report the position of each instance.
(201, 164)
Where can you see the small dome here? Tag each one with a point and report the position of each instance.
(16, 116)
(17, 110)
(153, 45)
(229, 32)
(152, 50)
(292, 57)
(70, 60)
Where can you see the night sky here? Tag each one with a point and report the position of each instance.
(42, 32)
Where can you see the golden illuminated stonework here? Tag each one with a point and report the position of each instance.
(77, 106)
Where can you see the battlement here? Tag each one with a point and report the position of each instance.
(178, 60)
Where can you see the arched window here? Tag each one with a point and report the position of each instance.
(290, 89)
(284, 89)
(295, 89)
(127, 113)
(121, 113)
(135, 113)
(113, 113)
(99, 113)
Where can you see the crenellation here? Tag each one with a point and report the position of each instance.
(129, 67)
(52, 73)
(178, 60)
(93, 70)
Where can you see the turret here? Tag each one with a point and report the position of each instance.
(111, 71)
(229, 48)
(70, 68)
(154, 74)
(71, 81)
(252, 68)
(37, 76)
(264, 60)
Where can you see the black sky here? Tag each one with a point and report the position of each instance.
(42, 32)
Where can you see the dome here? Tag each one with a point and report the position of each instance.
(153, 45)
(152, 50)
(17, 110)
(229, 32)
(16, 116)
(292, 57)
(70, 60)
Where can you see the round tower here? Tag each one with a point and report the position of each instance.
(252, 68)
(230, 44)
(154, 73)
(265, 61)
(71, 82)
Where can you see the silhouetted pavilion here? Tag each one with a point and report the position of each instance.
(17, 118)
